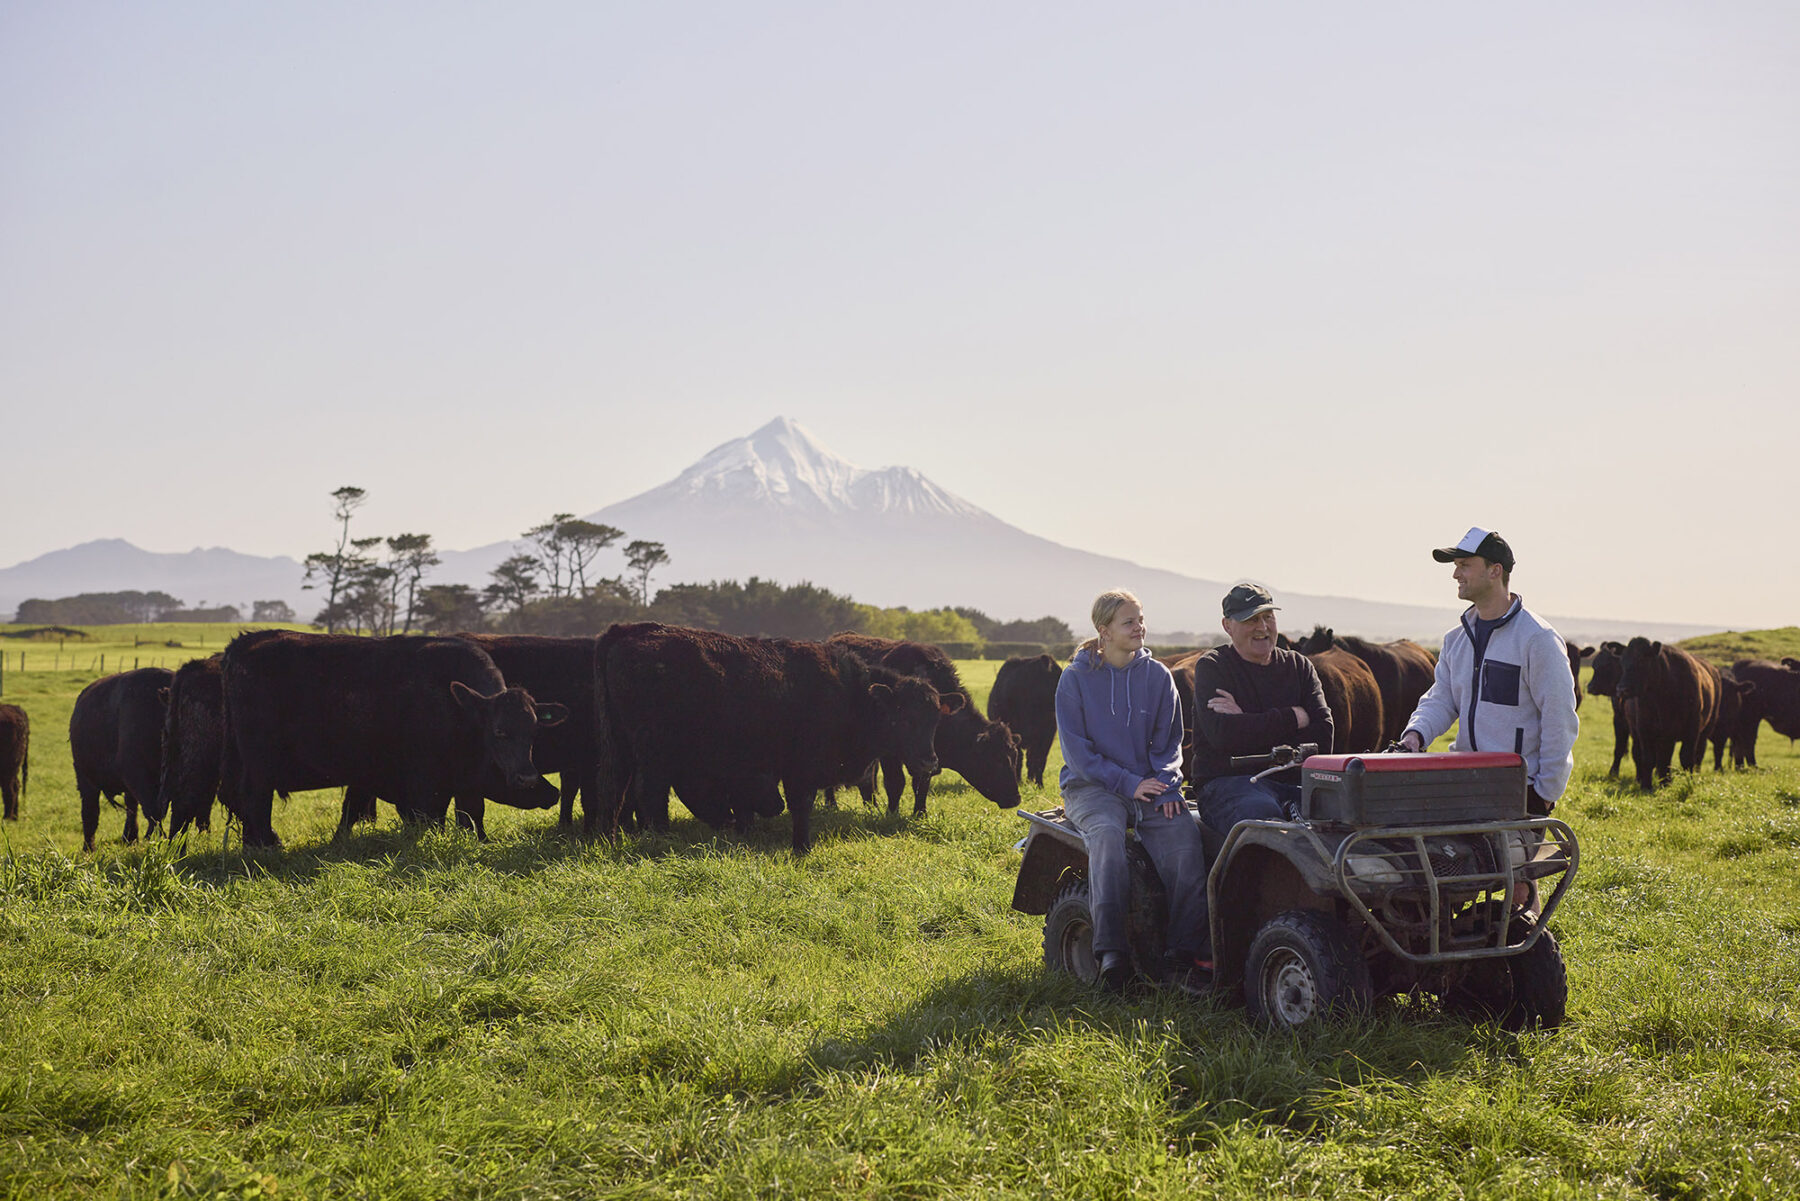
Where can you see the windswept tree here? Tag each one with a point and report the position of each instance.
(363, 604)
(582, 542)
(514, 583)
(566, 548)
(338, 568)
(271, 610)
(548, 538)
(644, 558)
(447, 608)
(410, 556)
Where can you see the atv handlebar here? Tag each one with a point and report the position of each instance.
(1278, 757)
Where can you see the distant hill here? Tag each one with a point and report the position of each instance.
(779, 505)
(211, 576)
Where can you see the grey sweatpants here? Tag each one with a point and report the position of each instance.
(1175, 849)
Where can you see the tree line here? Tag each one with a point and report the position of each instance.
(138, 608)
(377, 585)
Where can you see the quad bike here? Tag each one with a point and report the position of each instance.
(1400, 873)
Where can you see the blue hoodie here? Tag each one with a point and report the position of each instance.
(1119, 725)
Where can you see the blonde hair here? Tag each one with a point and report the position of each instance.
(1106, 607)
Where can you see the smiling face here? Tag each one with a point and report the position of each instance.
(1477, 579)
(1125, 632)
(1254, 639)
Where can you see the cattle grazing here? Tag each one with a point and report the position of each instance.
(1775, 699)
(415, 720)
(1727, 726)
(1024, 697)
(1403, 672)
(722, 720)
(1576, 655)
(983, 752)
(1608, 663)
(559, 670)
(115, 737)
(1354, 699)
(15, 757)
(1677, 699)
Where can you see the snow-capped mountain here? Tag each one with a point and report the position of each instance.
(781, 465)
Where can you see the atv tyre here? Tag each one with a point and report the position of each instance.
(1303, 966)
(1069, 933)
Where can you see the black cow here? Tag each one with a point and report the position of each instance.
(1403, 672)
(15, 757)
(1776, 700)
(559, 670)
(192, 740)
(722, 720)
(1576, 655)
(1677, 699)
(415, 720)
(1728, 726)
(1608, 663)
(115, 737)
(983, 752)
(1024, 697)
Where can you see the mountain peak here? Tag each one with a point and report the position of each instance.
(783, 466)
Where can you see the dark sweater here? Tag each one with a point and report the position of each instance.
(1267, 695)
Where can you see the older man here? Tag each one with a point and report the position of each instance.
(1503, 675)
(1249, 697)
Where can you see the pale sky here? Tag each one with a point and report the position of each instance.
(1292, 291)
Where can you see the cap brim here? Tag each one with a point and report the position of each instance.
(1450, 554)
(1257, 611)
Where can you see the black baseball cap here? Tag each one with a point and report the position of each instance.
(1477, 541)
(1246, 601)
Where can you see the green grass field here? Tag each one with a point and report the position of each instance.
(696, 1016)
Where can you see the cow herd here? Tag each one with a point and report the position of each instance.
(737, 728)
(1664, 698)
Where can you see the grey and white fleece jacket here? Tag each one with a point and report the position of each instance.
(1519, 697)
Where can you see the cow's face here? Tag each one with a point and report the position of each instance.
(1607, 663)
(507, 721)
(906, 715)
(989, 760)
(1319, 640)
(1634, 665)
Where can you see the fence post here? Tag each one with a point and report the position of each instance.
(102, 662)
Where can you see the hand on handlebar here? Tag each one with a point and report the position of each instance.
(1410, 741)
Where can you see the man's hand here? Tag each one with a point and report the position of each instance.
(1223, 702)
(1149, 789)
(1302, 716)
(1411, 741)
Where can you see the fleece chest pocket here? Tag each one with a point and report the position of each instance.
(1499, 683)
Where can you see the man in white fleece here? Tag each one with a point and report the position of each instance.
(1503, 674)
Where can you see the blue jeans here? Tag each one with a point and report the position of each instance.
(1175, 849)
(1227, 800)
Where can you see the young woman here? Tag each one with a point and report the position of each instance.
(1120, 723)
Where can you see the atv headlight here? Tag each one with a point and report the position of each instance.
(1373, 869)
(1516, 850)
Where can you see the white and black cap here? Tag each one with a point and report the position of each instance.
(1477, 541)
